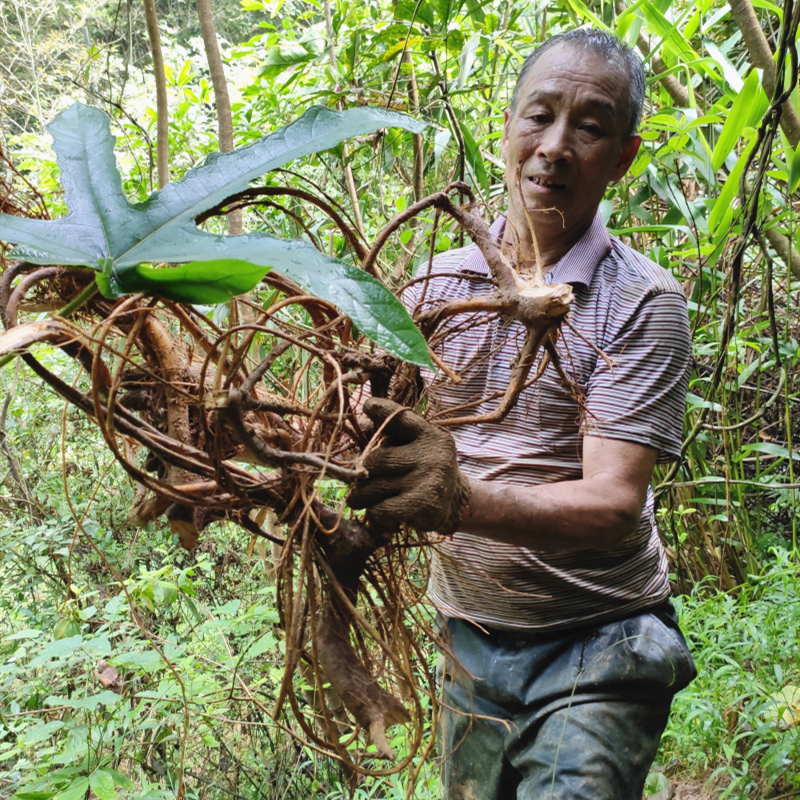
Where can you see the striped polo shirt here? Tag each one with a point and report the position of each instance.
(635, 312)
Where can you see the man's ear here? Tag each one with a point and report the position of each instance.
(626, 156)
(504, 140)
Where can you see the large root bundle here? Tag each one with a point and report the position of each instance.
(244, 423)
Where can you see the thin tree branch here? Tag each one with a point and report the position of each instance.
(162, 108)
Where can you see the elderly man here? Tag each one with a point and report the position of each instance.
(564, 651)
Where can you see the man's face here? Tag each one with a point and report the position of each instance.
(567, 139)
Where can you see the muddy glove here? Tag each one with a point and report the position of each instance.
(413, 477)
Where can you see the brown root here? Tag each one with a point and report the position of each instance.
(217, 424)
(372, 706)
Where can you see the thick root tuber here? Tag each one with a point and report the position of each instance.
(372, 706)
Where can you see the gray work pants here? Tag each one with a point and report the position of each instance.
(573, 716)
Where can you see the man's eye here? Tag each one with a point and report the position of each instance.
(591, 129)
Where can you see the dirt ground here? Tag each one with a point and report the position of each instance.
(691, 790)
(683, 790)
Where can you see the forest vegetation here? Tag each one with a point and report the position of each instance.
(133, 668)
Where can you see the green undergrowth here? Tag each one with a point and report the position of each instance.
(737, 723)
(206, 700)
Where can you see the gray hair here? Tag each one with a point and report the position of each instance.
(607, 47)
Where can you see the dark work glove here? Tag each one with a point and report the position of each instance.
(413, 477)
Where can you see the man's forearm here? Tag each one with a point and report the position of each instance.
(568, 515)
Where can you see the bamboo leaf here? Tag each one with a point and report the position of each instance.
(582, 10)
(467, 59)
(794, 170)
(767, 449)
(668, 31)
(729, 72)
(729, 191)
(749, 104)
(475, 159)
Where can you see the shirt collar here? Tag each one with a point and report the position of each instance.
(577, 266)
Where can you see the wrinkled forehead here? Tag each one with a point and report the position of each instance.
(570, 64)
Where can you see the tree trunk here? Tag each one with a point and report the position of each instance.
(221, 98)
(162, 110)
(761, 56)
(782, 246)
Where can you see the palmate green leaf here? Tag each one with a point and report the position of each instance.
(103, 229)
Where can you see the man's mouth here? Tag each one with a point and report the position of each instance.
(547, 184)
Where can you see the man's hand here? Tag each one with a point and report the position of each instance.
(413, 476)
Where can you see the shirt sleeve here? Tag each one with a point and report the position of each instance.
(642, 396)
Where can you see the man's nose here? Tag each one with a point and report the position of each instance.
(555, 142)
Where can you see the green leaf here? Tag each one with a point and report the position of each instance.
(60, 648)
(668, 31)
(106, 698)
(196, 282)
(476, 11)
(467, 59)
(475, 159)
(28, 633)
(729, 191)
(41, 732)
(582, 10)
(260, 646)
(729, 71)
(102, 224)
(102, 784)
(282, 56)
(193, 610)
(768, 449)
(119, 779)
(75, 791)
(184, 76)
(794, 170)
(750, 102)
(405, 9)
(146, 660)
